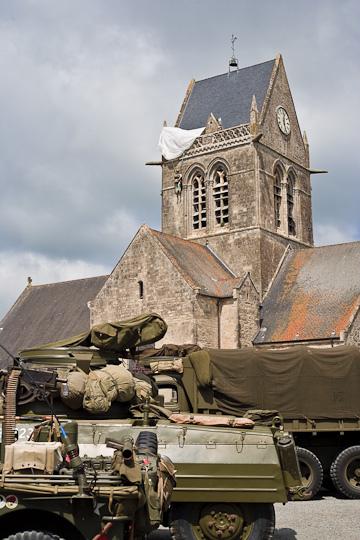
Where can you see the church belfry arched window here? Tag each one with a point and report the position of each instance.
(199, 201)
(221, 196)
(277, 196)
(290, 203)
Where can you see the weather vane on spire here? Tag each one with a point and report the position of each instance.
(233, 62)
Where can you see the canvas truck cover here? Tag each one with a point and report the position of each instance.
(116, 336)
(298, 382)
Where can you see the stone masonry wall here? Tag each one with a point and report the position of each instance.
(302, 196)
(165, 290)
(206, 321)
(229, 324)
(272, 249)
(248, 309)
(177, 210)
(353, 337)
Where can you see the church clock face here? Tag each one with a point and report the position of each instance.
(283, 120)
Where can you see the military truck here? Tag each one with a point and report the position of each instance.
(229, 471)
(315, 390)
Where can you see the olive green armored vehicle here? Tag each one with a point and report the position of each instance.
(229, 470)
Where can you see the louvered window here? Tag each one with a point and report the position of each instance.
(199, 201)
(221, 196)
(290, 204)
(277, 196)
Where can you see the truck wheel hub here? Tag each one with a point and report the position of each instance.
(221, 522)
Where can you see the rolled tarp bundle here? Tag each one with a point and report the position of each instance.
(103, 386)
(96, 391)
(116, 336)
(72, 392)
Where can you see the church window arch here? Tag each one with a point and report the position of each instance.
(290, 196)
(221, 195)
(199, 210)
(278, 177)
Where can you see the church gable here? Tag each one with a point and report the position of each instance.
(140, 281)
(145, 280)
(278, 119)
(177, 279)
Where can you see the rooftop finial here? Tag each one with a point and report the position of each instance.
(233, 62)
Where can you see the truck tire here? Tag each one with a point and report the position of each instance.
(312, 473)
(345, 472)
(33, 535)
(230, 521)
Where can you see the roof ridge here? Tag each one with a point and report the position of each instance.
(176, 237)
(334, 245)
(218, 258)
(67, 281)
(235, 71)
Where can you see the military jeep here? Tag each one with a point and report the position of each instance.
(229, 471)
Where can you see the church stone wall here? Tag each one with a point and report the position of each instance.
(206, 321)
(165, 291)
(173, 211)
(240, 251)
(302, 197)
(353, 337)
(272, 249)
(229, 324)
(248, 309)
(177, 210)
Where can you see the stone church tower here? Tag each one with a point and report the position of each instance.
(243, 187)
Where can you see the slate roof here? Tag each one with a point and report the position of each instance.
(45, 313)
(227, 96)
(314, 295)
(201, 268)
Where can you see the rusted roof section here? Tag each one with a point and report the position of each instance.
(201, 268)
(46, 313)
(314, 295)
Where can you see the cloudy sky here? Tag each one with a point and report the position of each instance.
(86, 85)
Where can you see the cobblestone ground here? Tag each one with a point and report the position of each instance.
(327, 518)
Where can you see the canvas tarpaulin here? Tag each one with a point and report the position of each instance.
(298, 381)
(174, 141)
(170, 349)
(117, 336)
